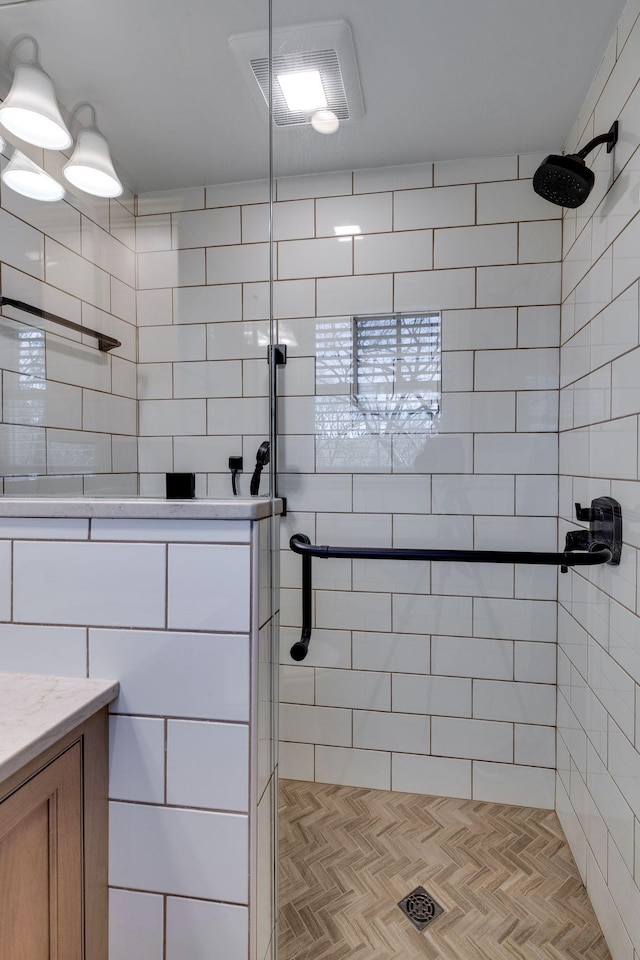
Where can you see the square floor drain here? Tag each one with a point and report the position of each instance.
(421, 908)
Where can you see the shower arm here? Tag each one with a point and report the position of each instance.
(601, 543)
(610, 138)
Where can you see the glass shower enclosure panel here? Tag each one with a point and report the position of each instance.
(360, 405)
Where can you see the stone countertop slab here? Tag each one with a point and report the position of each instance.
(37, 711)
(236, 508)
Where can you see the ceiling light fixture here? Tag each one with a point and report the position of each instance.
(27, 178)
(90, 168)
(308, 51)
(31, 110)
(325, 121)
(303, 90)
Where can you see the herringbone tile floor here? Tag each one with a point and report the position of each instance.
(504, 875)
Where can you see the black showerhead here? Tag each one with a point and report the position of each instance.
(568, 181)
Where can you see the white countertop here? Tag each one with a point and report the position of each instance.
(37, 711)
(235, 508)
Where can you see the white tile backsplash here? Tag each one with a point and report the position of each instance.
(308, 724)
(191, 853)
(194, 783)
(192, 604)
(89, 583)
(136, 759)
(355, 768)
(237, 264)
(393, 252)
(437, 289)
(363, 690)
(43, 650)
(216, 304)
(135, 923)
(404, 177)
(391, 731)
(465, 657)
(437, 207)
(171, 268)
(340, 295)
(370, 214)
(443, 696)
(330, 257)
(212, 670)
(511, 201)
(510, 783)
(519, 702)
(206, 228)
(474, 739)
(435, 776)
(524, 285)
(292, 220)
(475, 170)
(193, 925)
(476, 246)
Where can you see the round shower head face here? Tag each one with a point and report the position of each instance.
(566, 181)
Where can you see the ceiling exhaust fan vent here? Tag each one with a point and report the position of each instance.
(324, 47)
(324, 61)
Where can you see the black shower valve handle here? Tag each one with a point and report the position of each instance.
(262, 459)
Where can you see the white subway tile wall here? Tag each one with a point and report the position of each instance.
(436, 679)
(66, 406)
(478, 245)
(598, 744)
(492, 458)
(474, 242)
(191, 753)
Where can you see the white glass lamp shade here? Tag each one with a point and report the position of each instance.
(25, 177)
(31, 111)
(90, 168)
(325, 121)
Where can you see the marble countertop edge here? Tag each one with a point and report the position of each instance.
(237, 508)
(36, 711)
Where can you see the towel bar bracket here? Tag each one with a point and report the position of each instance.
(604, 517)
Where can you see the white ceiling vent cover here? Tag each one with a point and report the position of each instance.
(325, 47)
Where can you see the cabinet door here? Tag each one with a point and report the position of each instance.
(41, 864)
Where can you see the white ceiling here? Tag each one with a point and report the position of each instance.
(441, 79)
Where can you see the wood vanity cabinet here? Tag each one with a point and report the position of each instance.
(53, 851)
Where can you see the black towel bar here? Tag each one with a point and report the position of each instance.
(105, 343)
(601, 543)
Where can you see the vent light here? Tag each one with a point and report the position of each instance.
(303, 90)
(314, 74)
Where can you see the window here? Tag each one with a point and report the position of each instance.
(397, 369)
(377, 389)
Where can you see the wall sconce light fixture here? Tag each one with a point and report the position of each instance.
(27, 178)
(31, 110)
(90, 167)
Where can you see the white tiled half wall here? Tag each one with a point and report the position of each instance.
(598, 780)
(191, 754)
(69, 422)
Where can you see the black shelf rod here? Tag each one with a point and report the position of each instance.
(105, 343)
(601, 543)
(599, 553)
